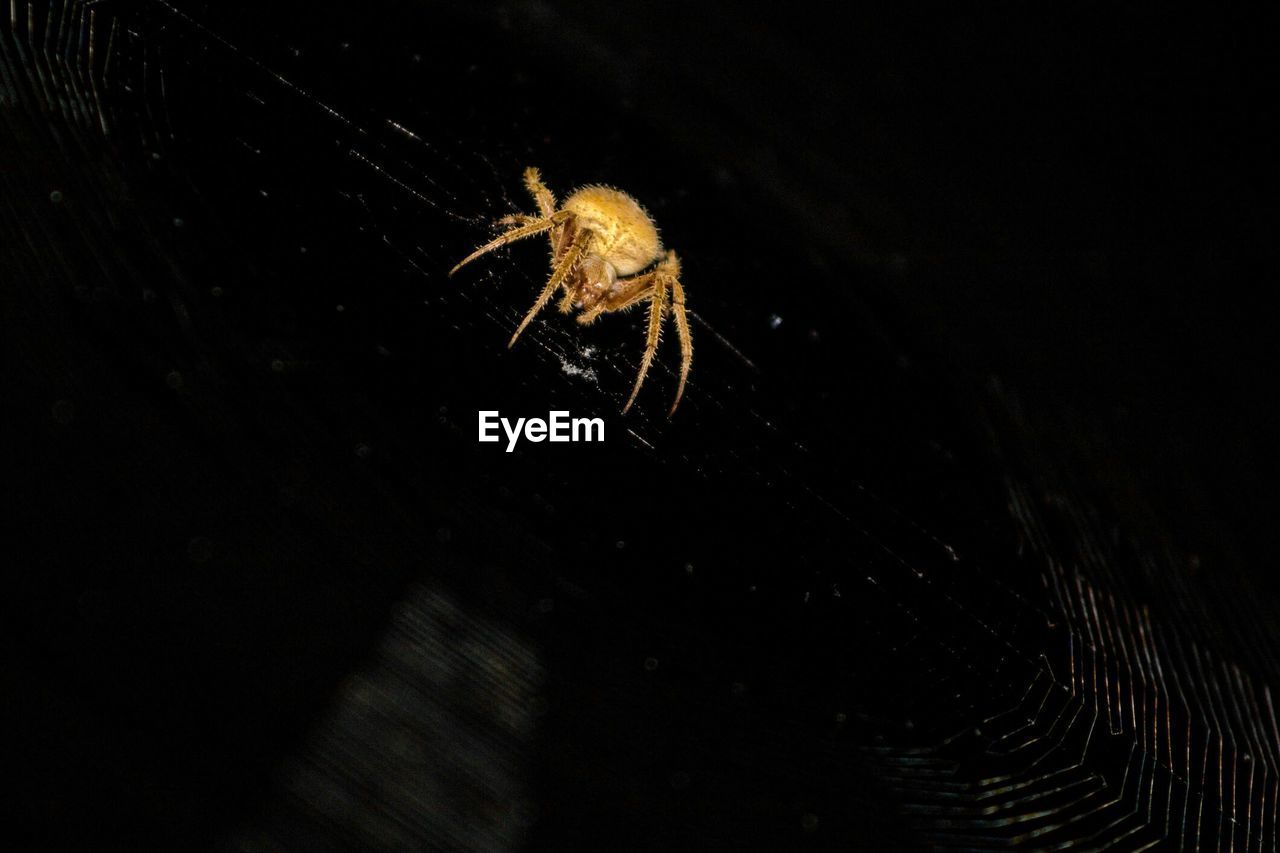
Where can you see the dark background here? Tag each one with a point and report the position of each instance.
(981, 383)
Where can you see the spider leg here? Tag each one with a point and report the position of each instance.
(681, 318)
(657, 309)
(517, 219)
(546, 201)
(566, 302)
(566, 265)
(544, 197)
(518, 233)
(561, 238)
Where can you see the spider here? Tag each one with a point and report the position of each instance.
(607, 256)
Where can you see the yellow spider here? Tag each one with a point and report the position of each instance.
(606, 254)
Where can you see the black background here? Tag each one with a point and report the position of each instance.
(930, 253)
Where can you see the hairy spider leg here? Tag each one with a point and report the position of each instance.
(517, 219)
(566, 301)
(544, 197)
(518, 233)
(657, 310)
(686, 340)
(568, 233)
(546, 201)
(566, 265)
(668, 270)
(570, 284)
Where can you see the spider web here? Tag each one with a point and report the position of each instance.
(990, 646)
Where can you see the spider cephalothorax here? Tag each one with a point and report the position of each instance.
(607, 256)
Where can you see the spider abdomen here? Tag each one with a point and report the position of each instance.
(624, 235)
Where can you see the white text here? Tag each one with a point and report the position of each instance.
(558, 427)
